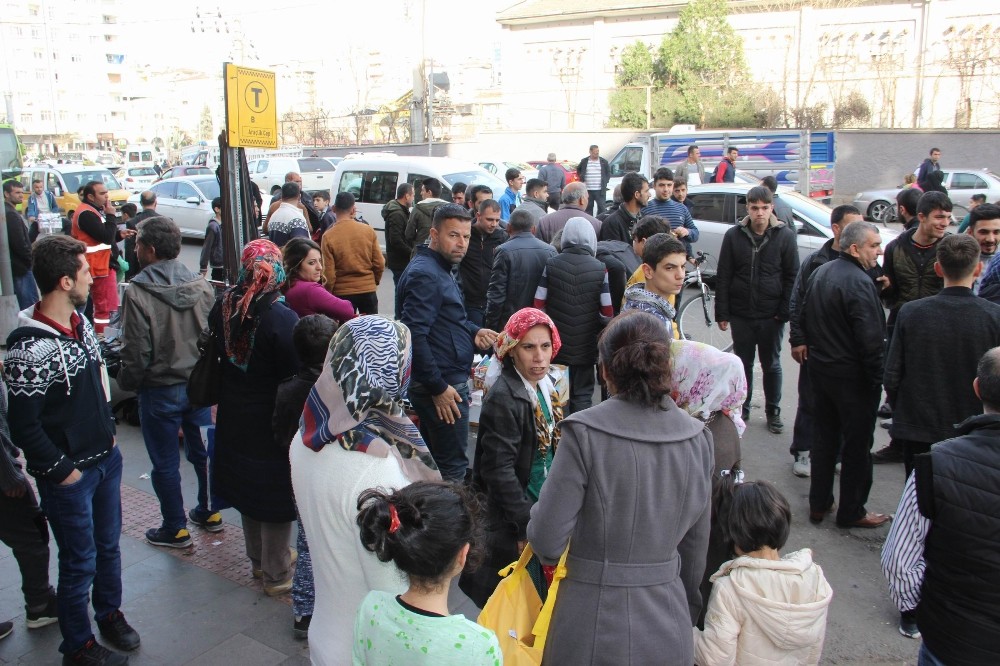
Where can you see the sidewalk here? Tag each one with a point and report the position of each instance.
(193, 606)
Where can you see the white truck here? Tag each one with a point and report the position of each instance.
(801, 159)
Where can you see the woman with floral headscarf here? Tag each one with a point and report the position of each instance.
(252, 327)
(518, 435)
(354, 435)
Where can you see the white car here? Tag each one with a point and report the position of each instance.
(187, 201)
(499, 168)
(716, 207)
(136, 179)
(960, 183)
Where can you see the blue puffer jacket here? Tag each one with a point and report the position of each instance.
(429, 301)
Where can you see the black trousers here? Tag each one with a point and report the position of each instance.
(554, 200)
(753, 337)
(804, 431)
(597, 203)
(847, 415)
(366, 304)
(24, 530)
(582, 379)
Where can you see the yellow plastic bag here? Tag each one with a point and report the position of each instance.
(516, 613)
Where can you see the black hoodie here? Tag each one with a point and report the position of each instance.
(58, 389)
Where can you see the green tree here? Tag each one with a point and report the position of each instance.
(698, 75)
(205, 125)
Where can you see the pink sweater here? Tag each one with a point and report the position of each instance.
(308, 298)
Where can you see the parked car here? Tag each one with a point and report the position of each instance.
(187, 201)
(186, 170)
(136, 179)
(565, 165)
(63, 180)
(373, 179)
(499, 168)
(269, 172)
(716, 207)
(334, 160)
(960, 183)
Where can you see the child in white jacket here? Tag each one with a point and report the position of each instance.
(764, 608)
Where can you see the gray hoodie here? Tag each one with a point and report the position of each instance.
(578, 232)
(164, 311)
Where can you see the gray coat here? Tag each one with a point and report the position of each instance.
(629, 490)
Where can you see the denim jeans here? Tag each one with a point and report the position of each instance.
(447, 443)
(163, 411)
(26, 290)
(86, 520)
(752, 337)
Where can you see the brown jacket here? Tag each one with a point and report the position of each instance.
(352, 259)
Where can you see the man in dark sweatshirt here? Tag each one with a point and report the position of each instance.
(19, 246)
(60, 417)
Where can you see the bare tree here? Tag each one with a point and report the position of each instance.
(972, 54)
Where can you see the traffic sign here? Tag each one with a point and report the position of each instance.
(251, 112)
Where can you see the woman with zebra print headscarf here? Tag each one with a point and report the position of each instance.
(354, 435)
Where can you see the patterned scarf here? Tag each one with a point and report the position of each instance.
(357, 399)
(261, 276)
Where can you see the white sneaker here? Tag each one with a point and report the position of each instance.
(836, 468)
(801, 465)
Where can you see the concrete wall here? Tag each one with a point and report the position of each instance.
(876, 159)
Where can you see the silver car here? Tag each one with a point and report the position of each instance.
(187, 201)
(716, 207)
(960, 183)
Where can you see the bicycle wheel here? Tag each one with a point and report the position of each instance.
(696, 319)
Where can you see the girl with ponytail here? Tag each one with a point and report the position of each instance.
(430, 531)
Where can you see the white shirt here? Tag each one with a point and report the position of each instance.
(42, 201)
(903, 553)
(594, 174)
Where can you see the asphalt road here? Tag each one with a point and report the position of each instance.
(862, 622)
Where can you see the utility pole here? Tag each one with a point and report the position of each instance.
(430, 112)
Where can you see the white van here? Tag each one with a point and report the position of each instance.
(140, 155)
(269, 173)
(373, 179)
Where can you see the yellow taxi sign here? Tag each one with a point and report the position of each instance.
(251, 111)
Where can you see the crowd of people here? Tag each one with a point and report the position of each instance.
(353, 428)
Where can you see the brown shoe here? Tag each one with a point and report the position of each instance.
(816, 517)
(870, 520)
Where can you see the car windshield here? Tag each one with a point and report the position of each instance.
(141, 171)
(77, 179)
(209, 187)
(478, 177)
(314, 164)
(814, 210)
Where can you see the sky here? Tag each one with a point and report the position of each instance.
(310, 30)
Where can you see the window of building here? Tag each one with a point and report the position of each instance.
(33, 10)
(39, 55)
(27, 118)
(76, 57)
(40, 74)
(36, 33)
(63, 115)
(20, 74)
(46, 115)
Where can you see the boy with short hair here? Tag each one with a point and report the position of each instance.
(211, 249)
(663, 261)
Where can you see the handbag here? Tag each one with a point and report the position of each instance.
(516, 614)
(204, 385)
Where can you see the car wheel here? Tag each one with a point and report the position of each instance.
(878, 210)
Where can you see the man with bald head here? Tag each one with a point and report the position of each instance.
(305, 202)
(574, 204)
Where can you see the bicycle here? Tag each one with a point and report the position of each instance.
(696, 315)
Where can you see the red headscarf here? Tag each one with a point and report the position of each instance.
(261, 276)
(520, 323)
